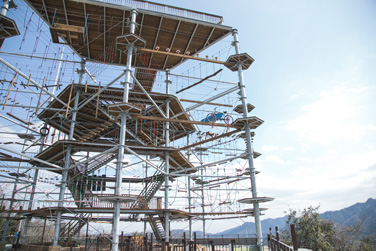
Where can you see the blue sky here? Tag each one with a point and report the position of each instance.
(314, 83)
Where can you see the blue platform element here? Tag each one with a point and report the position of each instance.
(217, 116)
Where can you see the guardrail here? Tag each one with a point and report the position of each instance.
(167, 9)
(275, 244)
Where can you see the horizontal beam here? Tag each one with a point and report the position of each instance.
(199, 82)
(183, 121)
(182, 56)
(32, 158)
(211, 139)
(207, 101)
(199, 102)
(208, 164)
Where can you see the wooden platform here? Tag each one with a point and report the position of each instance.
(104, 22)
(8, 28)
(93, 123)
(56, 152)
(253, 122)
(73, 35)
(257, 199)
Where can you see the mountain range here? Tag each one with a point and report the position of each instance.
(364, 213)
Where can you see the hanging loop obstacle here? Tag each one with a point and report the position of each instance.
(44, 131)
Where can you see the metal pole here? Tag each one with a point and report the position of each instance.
(31, 80)
(202, 199)
(58, 73)
(123, 128)
(5, 7)
(146, 175)
(189, 197)
(17, 181)
(67, 162)
(206, 101)
(34, 184)
(167, 155)
(247, 129)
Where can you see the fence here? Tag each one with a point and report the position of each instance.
(275, 244)
(149, 243)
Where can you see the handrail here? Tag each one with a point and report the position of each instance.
(168, 9)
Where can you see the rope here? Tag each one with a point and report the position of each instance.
(26, 29)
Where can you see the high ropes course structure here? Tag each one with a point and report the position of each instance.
(123, 112)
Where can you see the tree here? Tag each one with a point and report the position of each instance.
(312, 231)
(316, 233)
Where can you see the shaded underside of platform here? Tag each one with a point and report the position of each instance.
(93, 117)
(103, 22)
(56, 152)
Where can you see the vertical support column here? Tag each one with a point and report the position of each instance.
(247, 129)
(56, 87)
(67, 159)
(189, 197)
(167, 160)
(7, 222)
(65, 171)
(123, 128)
(4, 7)
(146, 175)
(203, 200)
(34, 184)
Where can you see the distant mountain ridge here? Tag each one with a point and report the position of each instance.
(355, 214)
(351, 215)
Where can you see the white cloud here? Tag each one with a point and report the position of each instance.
(275, 159)
(332, 117)
(288, 148)
(269, 148)
(371, 127)
(305, 159)
(303, 171)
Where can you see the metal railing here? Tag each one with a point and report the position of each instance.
(167, 9)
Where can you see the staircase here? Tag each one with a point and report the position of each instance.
(142, 202)
(97, 163)
(74, 226)
(157, 224)
(77, 178)
(149, 191)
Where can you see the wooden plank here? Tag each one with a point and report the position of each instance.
(28, 80)
(69, 99)
(10, 89)
(183, 121)
(40, 95)
(195, 101)
(26, 123)
(54, 36)
(69, 28)
(199, 82)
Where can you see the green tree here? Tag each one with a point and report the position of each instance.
(316, 233)
(312, 231)
(12, 228)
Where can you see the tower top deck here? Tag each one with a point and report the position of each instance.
(100, 23)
